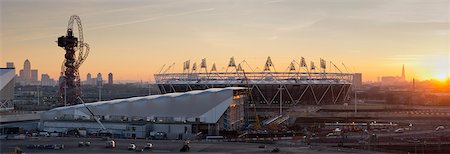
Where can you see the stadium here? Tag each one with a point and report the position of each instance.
(300, 84)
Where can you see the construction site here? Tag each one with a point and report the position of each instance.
(268, 92)
(304, 106)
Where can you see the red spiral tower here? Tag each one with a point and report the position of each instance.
(69, 85)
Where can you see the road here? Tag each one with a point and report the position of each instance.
(160, 146)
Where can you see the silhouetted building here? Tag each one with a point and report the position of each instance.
(27, 76)
(394, 80)
(10, 65)
(99, 79)
(357, 79)
(403, 72)
(89, 79)
(110, 78)
(26, 71)
(34, 76)
(21, 75)
(46, 80)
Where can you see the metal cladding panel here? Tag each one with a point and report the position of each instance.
(7, 84)
(6, 75)
(208, 105)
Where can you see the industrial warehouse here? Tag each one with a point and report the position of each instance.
(176, 115)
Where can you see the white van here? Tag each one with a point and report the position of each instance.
(44, 134)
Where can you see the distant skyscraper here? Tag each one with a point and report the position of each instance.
(110, 78)
(21, 75)
(10, 65)
(99, 79)
(26, 71)
(403, 72)
(34, 76)
(46, 80)
(45, 77)
(89, 79)
(357, 79)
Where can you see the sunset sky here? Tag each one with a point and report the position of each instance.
(134, 38)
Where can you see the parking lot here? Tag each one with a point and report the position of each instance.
(159, 146)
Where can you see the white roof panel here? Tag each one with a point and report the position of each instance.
(6, 75)
(208, 105)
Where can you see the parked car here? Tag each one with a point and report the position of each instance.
(59, 146)
(44, 134)
(400, 130)
(32, 146)
(440, 128)
(49, 146)
(110, 144)
(86, 143)
(148, 146)
(158, 135)
(132, 146)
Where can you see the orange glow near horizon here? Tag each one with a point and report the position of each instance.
(133, 40)
(441, 77)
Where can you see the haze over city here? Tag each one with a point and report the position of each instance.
(225, 76)
(134, 39)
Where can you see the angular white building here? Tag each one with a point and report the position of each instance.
(176, 114)
(7, 83)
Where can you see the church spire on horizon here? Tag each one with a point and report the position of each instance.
(403, 72)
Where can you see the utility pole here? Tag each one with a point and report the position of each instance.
(38, 94)
(99, 93)
(354, 88)
(413, 91)
(65, 93)
(149, 89)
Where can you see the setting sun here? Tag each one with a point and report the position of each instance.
(225, 76)
(442, 76)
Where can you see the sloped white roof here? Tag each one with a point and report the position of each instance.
(208, 105)
(6, 75)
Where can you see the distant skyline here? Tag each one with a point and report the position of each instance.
(134, 39)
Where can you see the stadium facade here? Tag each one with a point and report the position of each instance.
(301, 84)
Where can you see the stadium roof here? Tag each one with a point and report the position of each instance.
(6, 75)
(207, 105)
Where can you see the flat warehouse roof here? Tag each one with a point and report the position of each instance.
(207, 105)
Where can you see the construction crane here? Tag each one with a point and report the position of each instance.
(69, 87)
(97, 119)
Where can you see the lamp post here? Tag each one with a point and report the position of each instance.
(65, 94)
(99, 93)
(354, 88)
(149, 89)
(38, 94)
